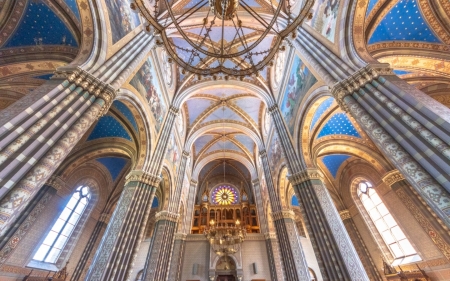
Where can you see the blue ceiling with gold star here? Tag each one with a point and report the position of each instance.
(320, 110)
(113, 164)
(333, 162)
(126, 112)
(41, 26)
(404, 22)
(108, 126)
(294, 201)
(370, 6)
(339, 124)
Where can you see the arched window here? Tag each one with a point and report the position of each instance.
(56, 239)
(400, 247)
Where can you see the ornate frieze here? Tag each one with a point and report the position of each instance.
(180, 236)
(360, 78)
(270, 235)
(144, 177)
(166, 215)
(283, 214)
(345, 215)
(306, 175)
(392, 177)
(56, 182)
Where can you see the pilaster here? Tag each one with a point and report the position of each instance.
(124, 233)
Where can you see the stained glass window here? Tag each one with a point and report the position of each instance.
(387, 226)
(224, 195)
(56, 239)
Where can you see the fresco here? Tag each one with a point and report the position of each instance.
(275, 156)
(173, 154)
(122, 19)
(324, 19)
(300, 81)
(148, 87)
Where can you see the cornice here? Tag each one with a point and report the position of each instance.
(166, 215)
(345, 215)
(306, 175)
(143, 177)
(392, 177)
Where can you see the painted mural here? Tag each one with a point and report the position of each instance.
(324, 18)
(122, 19)
(300, 81)
(173, 154)
(275, 155)
(148, 87)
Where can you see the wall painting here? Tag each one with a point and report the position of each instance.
(324, 19)
(300, 81)
(121, 18)
(173, 154)
(147, 85)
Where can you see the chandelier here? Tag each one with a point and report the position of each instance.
(230, 37)
(225, 239)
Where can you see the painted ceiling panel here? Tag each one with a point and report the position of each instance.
(339, 124)
(108, 126)
(220, 145)
(224, 92)
(155, 202)
(333, 162)
(371, 5)
(207, 167)
(202, 141)
(221, 131)
(250, 105)
(403, 22)
(294, 201)
(113, 164)
(126, 112)
(320, 110)
(196, 107)
(401, 72)
(220, 114)
(73, 6)
(246, 141)
(44, 77)
(41, 25)
(241, 168)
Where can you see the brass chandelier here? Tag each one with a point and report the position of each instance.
(225, 239)
(229, 37)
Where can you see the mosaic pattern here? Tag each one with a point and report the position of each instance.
(403, 22)
(224, 195)
(300, 81)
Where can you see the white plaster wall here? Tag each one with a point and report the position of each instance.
(141, 256)
(196, 252)
(310, 256)
(255, 252)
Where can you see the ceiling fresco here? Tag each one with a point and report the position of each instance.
(109, 127)
(338, 124)
(114, 165)
(333, 162)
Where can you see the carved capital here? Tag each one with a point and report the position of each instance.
(180, 236)
(144, 177)
(166, 215)
(305, 175)
(186, 153)
(194, 182)
(104, 217)
(345, 215)
(283, 214)
(56, 182)
(392, 177)
(263, 153)
(270, 235)
(255, 182)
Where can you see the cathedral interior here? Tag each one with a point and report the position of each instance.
(225, 140)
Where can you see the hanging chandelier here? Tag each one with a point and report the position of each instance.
(225, 239)
(229, 37)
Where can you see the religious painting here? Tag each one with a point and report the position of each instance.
(324, 18)
(300, 81)
(147, 85)
(122, 19)
(173, 154)
(275, 155)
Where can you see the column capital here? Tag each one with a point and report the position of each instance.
(255, 182)
(104, 217)
(270, 235)
(144, 177)
(166, 215)
(56, 182)
(186, 153)
(357, 80)
(306, 175)
(180, 236)
(345, 215)
(392, 177)
(262, 153)
(283, 214)
(194, 182)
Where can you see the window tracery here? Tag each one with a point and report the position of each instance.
(62, 229)
(224, 195)
(398, 244)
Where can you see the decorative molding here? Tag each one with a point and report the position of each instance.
(306, 175)
(104, 217)
(357, 80)
(56, 182)
(144, 177)
(345, 215)
(392, 177)
(166, 215)
(180, 236)
(270, 235)
(283, 214)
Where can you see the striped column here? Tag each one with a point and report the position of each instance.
(36, 141)
(273, 253)
(294, 262)
(113, 259)
(176, 261)
(338, 259)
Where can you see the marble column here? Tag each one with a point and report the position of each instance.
(360, 247)
(36, 141)
(88, 252)
(273, 252)
(294, 262)
(113, 259)
(337, 256)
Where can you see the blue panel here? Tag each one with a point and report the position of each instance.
(339, 124)
(45, 76)
(108, 126)
(113, 164)
(41, 22)
(370, 7)
(333, 162)
(403, 22)
(155, 202)
(320, 110)
(126, 112)
(73, 6)
(401, 72)
(294, 201)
